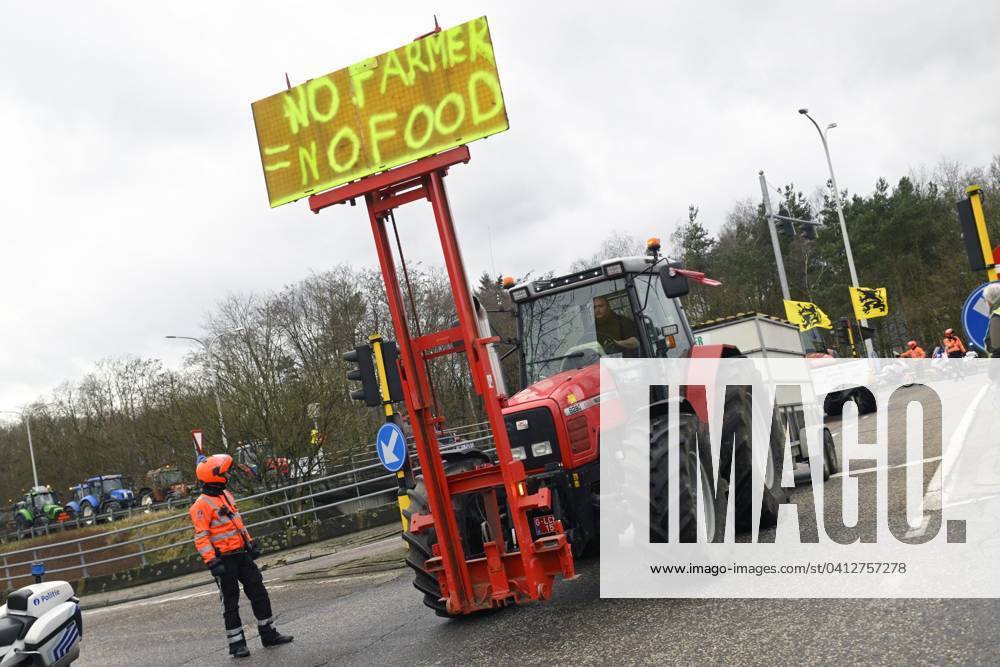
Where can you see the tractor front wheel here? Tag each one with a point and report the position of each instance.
(420, 545)
(87, 513)
(110, 509)
(146, 501)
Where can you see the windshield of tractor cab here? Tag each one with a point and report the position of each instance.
(576, 328)
(170, 477)
(43, 499)
(661, 319)
(111, 484)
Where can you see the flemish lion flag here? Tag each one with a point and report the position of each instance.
(869, 302)
(806, 315)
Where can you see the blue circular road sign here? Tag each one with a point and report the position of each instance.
(390, 444)
(976, 317)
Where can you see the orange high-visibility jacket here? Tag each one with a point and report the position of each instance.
(953, 344)
(218, 528)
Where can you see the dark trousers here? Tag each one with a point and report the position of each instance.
(955, 355)
(240, 569)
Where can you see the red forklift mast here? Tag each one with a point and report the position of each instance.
(527, 571)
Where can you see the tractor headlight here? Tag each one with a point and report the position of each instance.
(517, 453)
(614, 270)
(543, 448)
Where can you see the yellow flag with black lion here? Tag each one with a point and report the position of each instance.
(869, 302)
(807, 315)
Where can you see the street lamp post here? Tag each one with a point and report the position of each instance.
(26, 416)
(840, 214)
(215, 388)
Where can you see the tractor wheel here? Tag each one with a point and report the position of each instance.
(738, 424)
(831, 464)
(833, 404)
(25, 528)
(688, 475)
(421, 544)
(146, 501)
(87, 513)
(865, 401)
(110, 508)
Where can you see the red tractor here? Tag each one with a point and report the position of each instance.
(486, 530)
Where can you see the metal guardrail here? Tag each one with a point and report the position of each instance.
(85, 559)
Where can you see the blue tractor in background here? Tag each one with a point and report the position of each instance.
(101, 497)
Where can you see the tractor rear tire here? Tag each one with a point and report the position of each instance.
(421, 544)
(738, 424)
(688, 475)
(831, 464)
(865, 401)
(25, 528)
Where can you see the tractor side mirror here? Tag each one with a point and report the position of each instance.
(674, 285)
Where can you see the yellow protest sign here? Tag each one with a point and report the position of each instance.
(806, 315)
(435, 93)
(869, 302)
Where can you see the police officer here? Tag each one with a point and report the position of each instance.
(225, 545)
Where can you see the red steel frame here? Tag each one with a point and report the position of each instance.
(498, 577)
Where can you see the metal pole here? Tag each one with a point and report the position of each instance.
(31, 447)
(215, 387)
(843, 224)
(774, 238)
(218, 406)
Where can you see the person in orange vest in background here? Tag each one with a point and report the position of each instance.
(953, 346)
(913, 351)
(225, 545)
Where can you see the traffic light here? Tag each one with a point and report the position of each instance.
(844, 332)
(974, 233)
(365, 374)
(390, 353)
(785, 227)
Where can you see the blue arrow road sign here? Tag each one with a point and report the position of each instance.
(390, 443)
(976, 317)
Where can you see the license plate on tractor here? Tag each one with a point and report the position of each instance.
(545, 525)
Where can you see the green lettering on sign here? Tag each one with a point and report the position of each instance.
(436, 93)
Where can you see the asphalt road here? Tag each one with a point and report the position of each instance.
(379, 619)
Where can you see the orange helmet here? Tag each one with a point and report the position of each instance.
(214, 469)
(912, 344)
(949, 332)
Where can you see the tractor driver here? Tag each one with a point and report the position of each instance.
(614, 332)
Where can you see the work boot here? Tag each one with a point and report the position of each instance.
(239, 650)
(269, 636)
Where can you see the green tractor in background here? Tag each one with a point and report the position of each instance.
(38, 508)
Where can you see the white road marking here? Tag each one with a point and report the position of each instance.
(863, 471)
(932, 496)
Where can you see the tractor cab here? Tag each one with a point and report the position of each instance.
(626, 307)
(41, 498)
(163, 485)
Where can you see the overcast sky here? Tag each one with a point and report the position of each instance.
(133, 198)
